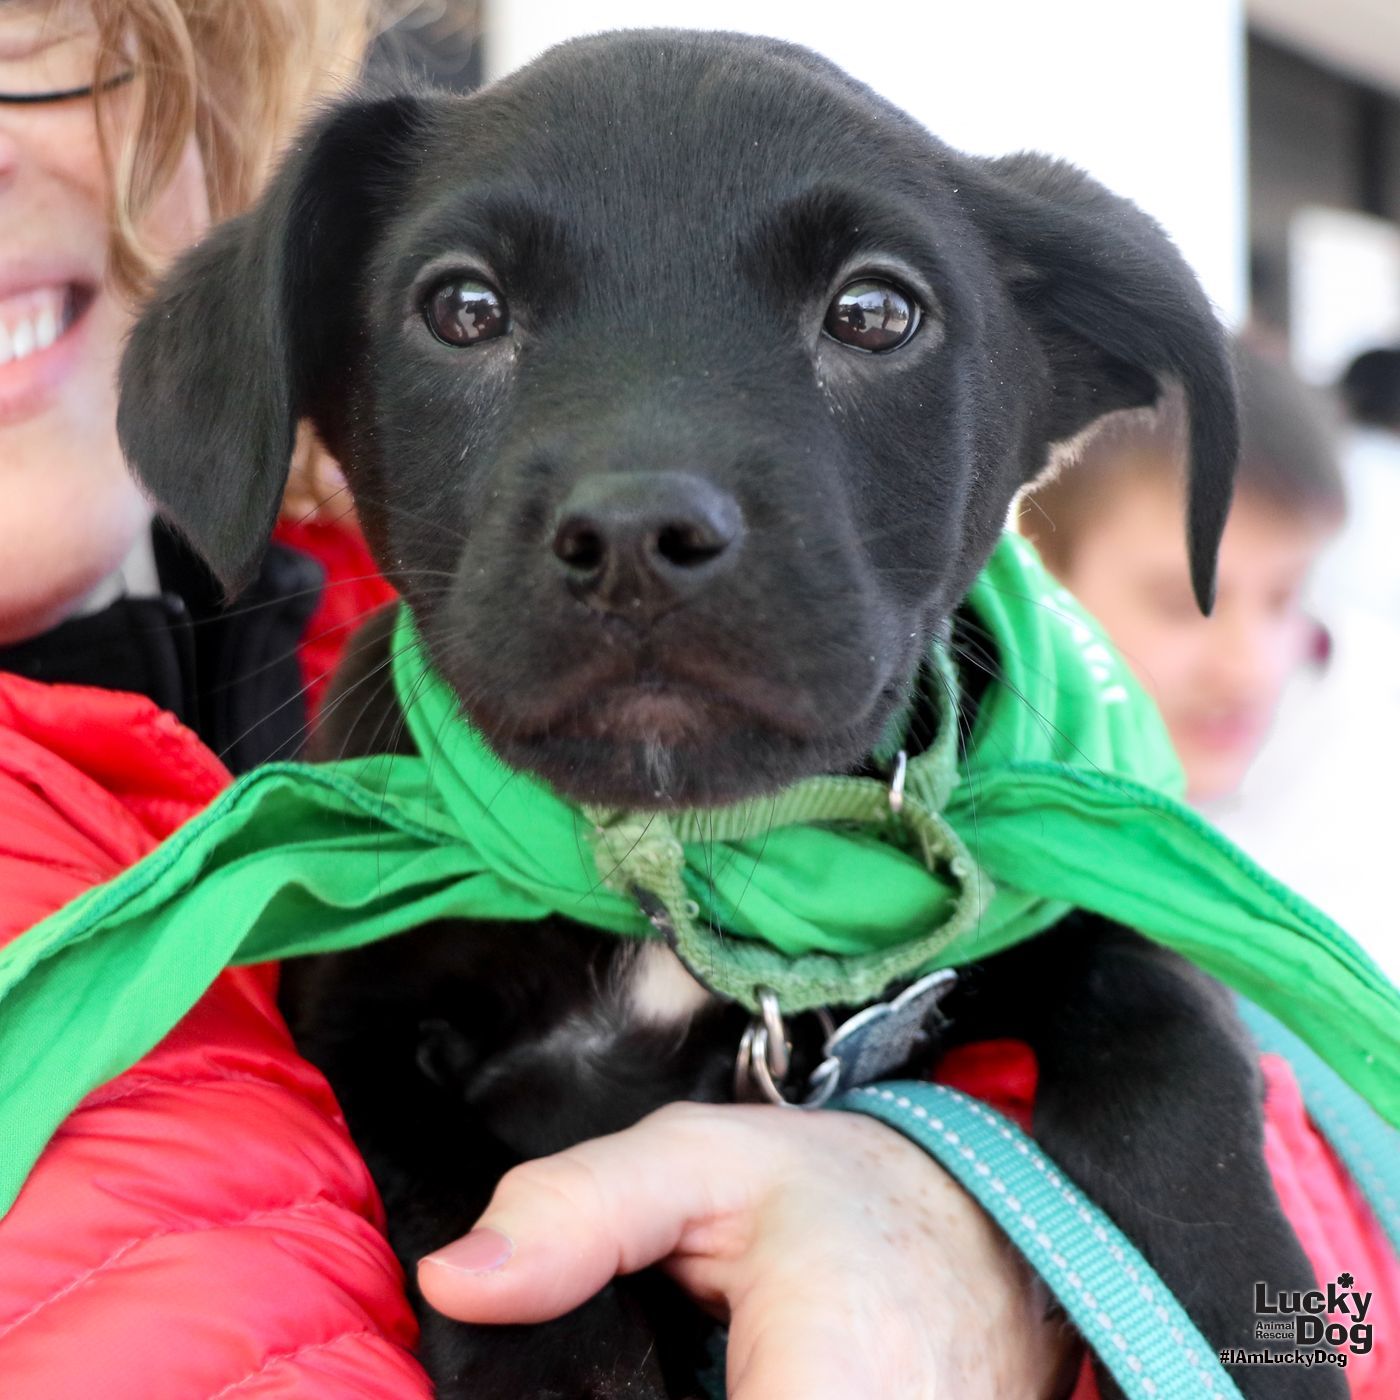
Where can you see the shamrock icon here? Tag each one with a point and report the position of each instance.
(1345, 1280)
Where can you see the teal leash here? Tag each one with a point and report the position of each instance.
(1114, 1298)
(1111, 1294)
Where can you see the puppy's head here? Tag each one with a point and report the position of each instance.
(682, 385)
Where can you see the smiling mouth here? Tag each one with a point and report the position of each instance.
(40, 345)
(32, 321)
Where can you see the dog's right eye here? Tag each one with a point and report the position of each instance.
(872, 315)
(465, 312)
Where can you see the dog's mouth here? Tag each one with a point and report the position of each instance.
(648, 713)
(654, 741)
(669, 710)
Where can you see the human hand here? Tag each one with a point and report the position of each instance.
(847, 1262)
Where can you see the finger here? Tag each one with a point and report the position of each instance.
(560, 1228)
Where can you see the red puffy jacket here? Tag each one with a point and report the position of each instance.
(201, 1227)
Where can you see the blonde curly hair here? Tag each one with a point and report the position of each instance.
(236, 75)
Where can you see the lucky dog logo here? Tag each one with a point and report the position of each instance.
(1332, 1322)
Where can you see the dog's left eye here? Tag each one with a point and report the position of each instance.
(872, 315)
(465, 312)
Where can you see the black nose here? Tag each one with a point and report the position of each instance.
(639, 543)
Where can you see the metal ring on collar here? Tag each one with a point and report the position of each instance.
(764, 1058)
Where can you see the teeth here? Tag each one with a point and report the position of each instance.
(32, 322)
(45, 329)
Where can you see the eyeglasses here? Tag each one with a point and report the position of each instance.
(47, 57)
(23, 99)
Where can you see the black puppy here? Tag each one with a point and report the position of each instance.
(683, 385)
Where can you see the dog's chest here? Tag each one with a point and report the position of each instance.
(657, 990)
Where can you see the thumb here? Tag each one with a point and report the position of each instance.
(560, 1228)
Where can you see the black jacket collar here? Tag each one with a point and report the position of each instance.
(231, 674)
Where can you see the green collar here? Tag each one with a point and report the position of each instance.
(819, 891)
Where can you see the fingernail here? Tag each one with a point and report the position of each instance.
(480, 1252)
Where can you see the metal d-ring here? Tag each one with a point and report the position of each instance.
(771, 1044)
(765, 1054)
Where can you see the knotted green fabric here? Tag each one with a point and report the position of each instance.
(821, 891)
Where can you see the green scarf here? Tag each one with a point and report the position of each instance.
(820, 891)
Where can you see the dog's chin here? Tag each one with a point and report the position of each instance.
(655, 749)
(648, 774)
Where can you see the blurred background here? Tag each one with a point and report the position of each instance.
(1265, 136)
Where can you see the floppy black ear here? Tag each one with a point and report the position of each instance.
(1120, 315)
(228, 356)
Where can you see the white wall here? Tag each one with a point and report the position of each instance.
(1344, 288)
(1149, 98)
(1356, 36)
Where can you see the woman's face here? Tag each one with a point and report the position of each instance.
(71, 514)
(1217, 680)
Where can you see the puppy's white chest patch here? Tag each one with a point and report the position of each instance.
(647, 989)
(657, 989)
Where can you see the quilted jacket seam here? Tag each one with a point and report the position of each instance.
(151, 1082)
(282, 1357)
(190, 1227)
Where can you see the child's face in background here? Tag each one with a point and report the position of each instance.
(1217, 680)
